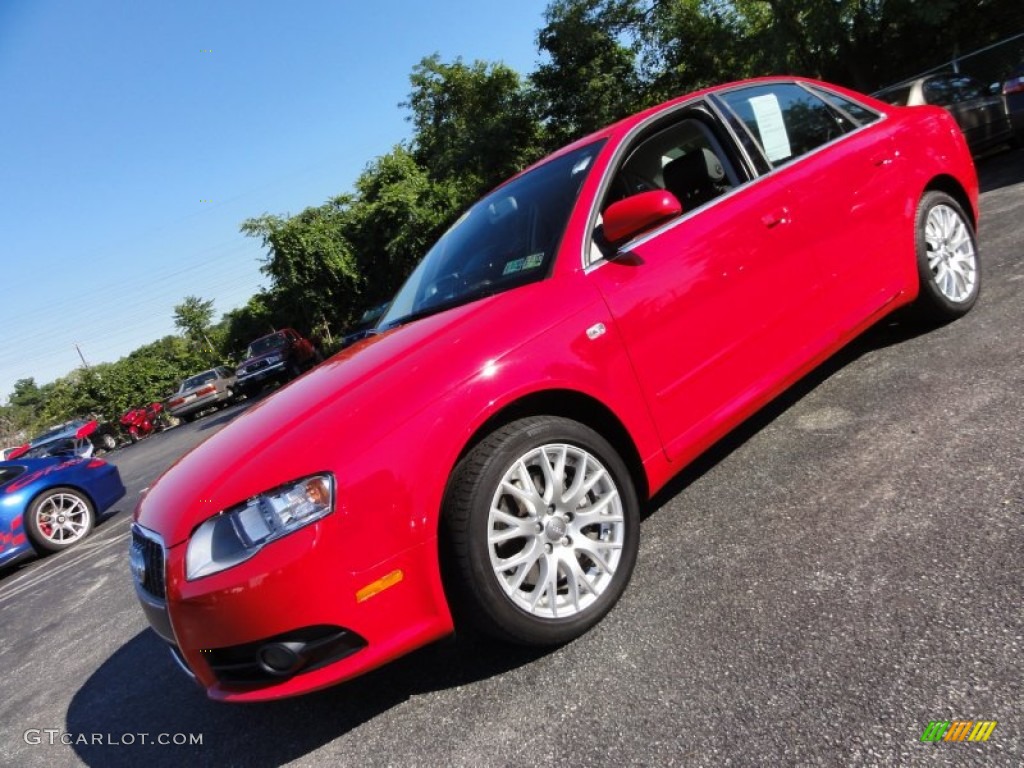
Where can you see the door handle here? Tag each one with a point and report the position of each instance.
(776, 217)
(882, 159)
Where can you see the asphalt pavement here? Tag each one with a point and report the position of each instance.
(838, 573)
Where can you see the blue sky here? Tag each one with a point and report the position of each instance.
(137, 136)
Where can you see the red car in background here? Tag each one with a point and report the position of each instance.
(276, 357)
(571, 343)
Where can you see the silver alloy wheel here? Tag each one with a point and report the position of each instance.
(63, 518)
(951, 255)
(555, 531)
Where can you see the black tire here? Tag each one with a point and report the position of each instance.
(45, 524)
(491, 601)
(188, 418)
(945, 293)
(133, 437)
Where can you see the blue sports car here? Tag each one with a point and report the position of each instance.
(49, 504)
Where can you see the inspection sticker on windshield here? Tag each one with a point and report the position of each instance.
(532, 261)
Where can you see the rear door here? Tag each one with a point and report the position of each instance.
(840, 162)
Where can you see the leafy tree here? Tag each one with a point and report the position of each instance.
(590, 78)
(311, 263)
(395, 215)
(194, 316)
(475, 124)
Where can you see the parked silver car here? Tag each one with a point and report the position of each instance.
(205, 390)
(981, 114)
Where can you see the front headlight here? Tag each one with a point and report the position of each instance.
(238, 533)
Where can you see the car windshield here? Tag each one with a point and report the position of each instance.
(266, 344)
(198, 380)
(506, 240)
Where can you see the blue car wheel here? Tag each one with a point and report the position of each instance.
(59, 518)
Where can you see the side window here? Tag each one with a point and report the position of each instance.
(939, 90)
(850, 110)
(967, 88)
(786, 119)
(684, 158)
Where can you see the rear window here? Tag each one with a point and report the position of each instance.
(198, 381)
(860, 114)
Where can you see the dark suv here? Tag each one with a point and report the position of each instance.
(280, 356)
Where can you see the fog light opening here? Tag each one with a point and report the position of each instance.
(281, 658)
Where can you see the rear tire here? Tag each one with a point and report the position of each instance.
(543, 526)
(59, 518)
(948, 266)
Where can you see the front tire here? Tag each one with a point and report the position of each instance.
(59, 518)
(947, 259)
(544, 528)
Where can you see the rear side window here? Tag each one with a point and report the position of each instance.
(850, 109)
(786, 120)
(940, 91)
(9, 473)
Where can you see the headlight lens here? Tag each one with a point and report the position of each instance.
(238, 533)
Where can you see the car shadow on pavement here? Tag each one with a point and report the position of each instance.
(139, 690)
(895, 329)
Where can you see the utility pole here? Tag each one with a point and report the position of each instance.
(79, 351)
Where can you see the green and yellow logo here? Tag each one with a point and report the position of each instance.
(958, 730)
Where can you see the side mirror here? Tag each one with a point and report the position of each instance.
(627, 218)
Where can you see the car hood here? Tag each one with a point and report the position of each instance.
(346, 403)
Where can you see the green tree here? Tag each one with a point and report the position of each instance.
(194, 318)
(474, 124)
(395, 215)
(311, 263)
(589, 78)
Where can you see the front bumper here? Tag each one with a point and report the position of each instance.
(259, 377)
(234, 631)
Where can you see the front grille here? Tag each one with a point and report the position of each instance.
(147, 560)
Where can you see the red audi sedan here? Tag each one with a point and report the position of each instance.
(573, 341)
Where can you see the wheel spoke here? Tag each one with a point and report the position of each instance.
(528, 556)
(541, 587)
(595, 513)
(596, 551)
(550, 481)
